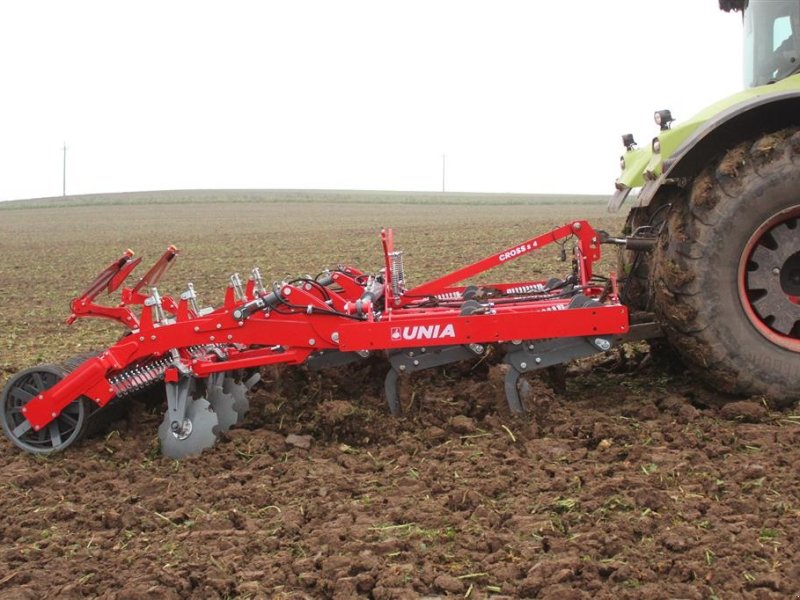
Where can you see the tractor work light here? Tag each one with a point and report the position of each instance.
(628, 141)
(663, 118)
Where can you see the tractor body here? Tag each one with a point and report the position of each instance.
(720, 192)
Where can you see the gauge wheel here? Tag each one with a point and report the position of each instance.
(726, 272)
(61, 432)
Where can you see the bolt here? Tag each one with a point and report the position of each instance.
(577, 225)
(196, 328)
(212, 338)
(152, 338)
(523, 365)
(54, 415)
(602, 344)
(24, 409)
(402, 367)
(530, 346)
(335, 337)
(287, 291)
(538, 360)
(312, 341)
(776, 271)
(41, 396)
(141, 338)
(230, 337)
(416, 363)
(219, 325)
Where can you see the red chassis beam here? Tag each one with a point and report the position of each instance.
(304, 316)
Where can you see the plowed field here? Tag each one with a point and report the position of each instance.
(628, 481)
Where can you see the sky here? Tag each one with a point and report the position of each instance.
(520, 96)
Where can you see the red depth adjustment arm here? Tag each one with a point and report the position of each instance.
(588, 251)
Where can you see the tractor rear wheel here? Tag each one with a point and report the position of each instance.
(726, 272)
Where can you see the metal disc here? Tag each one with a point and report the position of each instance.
(225, 407)
(239, 391)
(61, 432)
(197, 432)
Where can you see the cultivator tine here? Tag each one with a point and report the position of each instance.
(189, 426)
(512, 392)
(529, 356)
(390, 389)
(418, 359)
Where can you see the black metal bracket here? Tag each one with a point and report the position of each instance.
(528, 356)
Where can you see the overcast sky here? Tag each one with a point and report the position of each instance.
(521, 95)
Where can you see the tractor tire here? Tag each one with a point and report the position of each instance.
(726, 271)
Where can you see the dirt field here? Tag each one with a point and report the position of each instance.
(633, 482)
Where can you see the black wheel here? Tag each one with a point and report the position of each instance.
(726, 273)
(61, 432)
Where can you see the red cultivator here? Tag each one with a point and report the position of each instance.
(209, 358)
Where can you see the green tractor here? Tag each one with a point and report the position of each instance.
(721, 192)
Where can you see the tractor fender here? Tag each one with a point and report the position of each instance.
(746, 120)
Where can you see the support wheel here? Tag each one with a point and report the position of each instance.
(726, 272)
(62, 431)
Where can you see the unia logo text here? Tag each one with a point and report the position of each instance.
(423, 332)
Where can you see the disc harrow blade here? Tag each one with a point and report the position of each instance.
(197, 432)
(239, 391)
(224, 404)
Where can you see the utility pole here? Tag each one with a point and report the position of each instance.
(444, 158)
(64, 173)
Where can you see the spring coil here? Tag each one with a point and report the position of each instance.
(398, 272)
(555, 307)
(139, 377)
(535, 288)
(449, 296)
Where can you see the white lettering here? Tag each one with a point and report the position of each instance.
(410, 333)
(514, 252)
(424, 332)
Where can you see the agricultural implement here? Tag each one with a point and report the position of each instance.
(208, 358)
(718, 202)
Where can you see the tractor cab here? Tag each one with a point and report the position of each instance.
(771, 40)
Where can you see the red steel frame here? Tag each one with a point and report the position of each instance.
(321, 316)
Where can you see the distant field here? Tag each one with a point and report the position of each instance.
(50, 249)
(306, 196)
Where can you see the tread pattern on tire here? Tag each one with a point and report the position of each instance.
(683, 265)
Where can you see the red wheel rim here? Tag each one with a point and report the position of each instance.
(769, 279)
